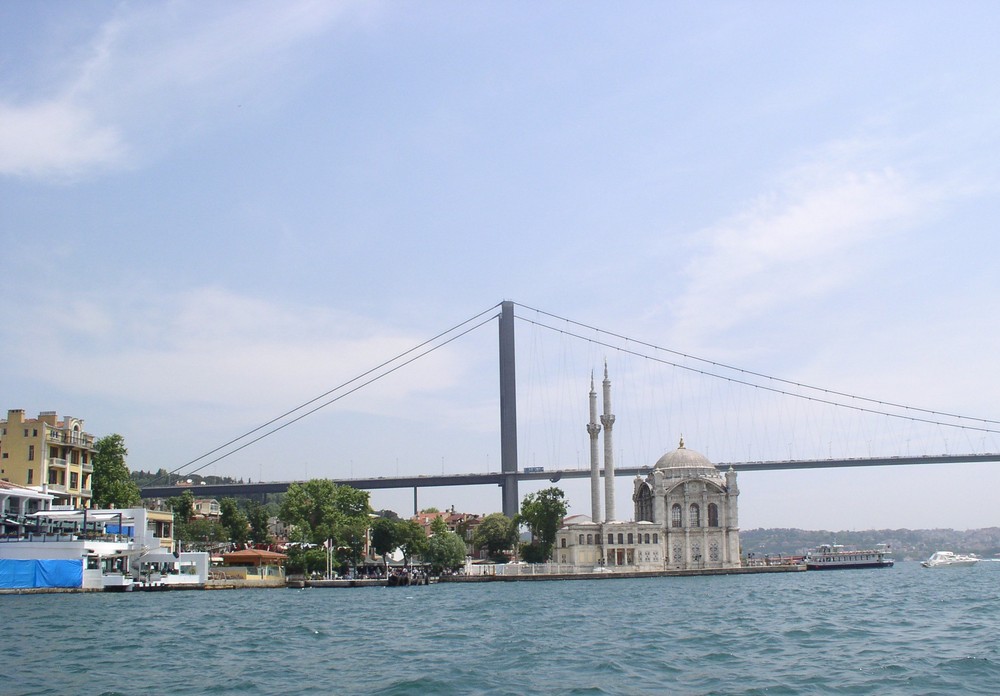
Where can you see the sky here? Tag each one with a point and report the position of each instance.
(212, 214)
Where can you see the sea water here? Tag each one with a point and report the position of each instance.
(905, 630)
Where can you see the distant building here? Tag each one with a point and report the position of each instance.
(48, 454)
(206, 509)
(462, 523)
(685, 514)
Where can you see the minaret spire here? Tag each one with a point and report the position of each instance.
(608, 420)
(593, 428)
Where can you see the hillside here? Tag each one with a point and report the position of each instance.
(906, 544)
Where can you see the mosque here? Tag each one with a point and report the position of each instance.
(685, 511)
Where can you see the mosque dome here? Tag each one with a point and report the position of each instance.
(683, 458)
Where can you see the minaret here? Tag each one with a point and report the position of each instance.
(593, 428)
(608, 420)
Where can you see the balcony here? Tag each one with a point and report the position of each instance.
(57, 488)
(57, 463)
(88, 467)
(72, 439)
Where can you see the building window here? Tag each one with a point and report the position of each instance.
(31, 453)
(581, 540)
(563, 542)
(713, 551)
(694, 515)
(647, 538)
(678, 554)
(34, 432)
(675, 515)
(611, 538)
(621, 538)
(31, 476)
(590, 539)
(74, 480)
(656, 538)
(713, 515)
(630, 538)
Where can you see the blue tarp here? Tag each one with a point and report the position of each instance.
(22, 575)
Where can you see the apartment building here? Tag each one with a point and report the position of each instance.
(48, 454)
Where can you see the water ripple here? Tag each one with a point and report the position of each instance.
(896, 631)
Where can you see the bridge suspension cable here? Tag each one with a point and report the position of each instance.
(433, 342)
(979, 428)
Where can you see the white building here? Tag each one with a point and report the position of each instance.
(685, 512)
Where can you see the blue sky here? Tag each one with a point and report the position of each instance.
(211, 214)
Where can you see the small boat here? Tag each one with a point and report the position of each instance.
(836, 557)
(942, 559)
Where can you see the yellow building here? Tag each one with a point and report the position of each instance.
(48, 454)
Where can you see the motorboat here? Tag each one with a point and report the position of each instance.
(942, 559)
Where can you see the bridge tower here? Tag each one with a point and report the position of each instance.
(508, 411)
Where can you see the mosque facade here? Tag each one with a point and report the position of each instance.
(685, 511)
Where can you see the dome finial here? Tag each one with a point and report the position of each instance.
(681, 445)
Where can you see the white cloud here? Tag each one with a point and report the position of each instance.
(214, 349)
(149, 68)
(806, 239)
(55, 139)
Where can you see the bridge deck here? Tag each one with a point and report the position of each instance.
(433, 481)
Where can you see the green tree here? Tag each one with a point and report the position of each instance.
(234, 521)
(438, 525)
(111, 483)
(320, 510)
(497, 534)
(543, 512)
(201, 535)
(258, 517)
(445, 551)
(412, 540)
(182, 506)
(385, 538)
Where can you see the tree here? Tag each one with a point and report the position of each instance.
(543, 513)
(385, 538)
(320, 510)
(497, 533)
(412, 540)
(201, 535)
(182, 506)
(438, 525)
(445, 550)
(258, 517)
(234, 521)
(112, 484)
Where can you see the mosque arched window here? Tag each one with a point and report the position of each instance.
(694, 515)
(564, 542)
(647, 538)
(621, 538)
(713, 515)
(675, 515)
(656, 538)
(644, 505)
(581, 540)
(611, 538)
(590, 539)
(630, 538)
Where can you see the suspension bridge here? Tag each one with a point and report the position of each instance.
(511, 473)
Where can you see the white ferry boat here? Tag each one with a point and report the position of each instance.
(942, 559)
(836, 557)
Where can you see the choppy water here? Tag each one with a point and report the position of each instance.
(905, 630)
